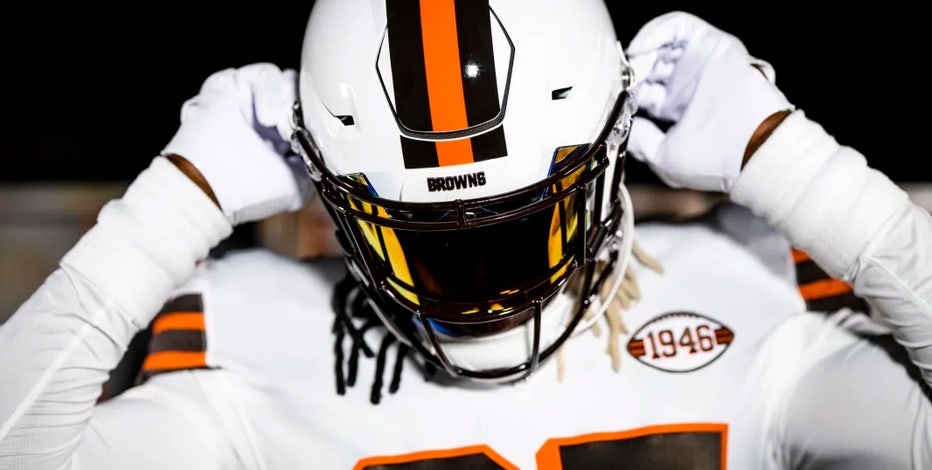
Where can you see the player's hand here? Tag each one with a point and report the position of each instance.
(236, 132)
(709, 94)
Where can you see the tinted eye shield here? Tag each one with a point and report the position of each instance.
(460, 247)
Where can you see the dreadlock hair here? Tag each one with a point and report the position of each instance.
(628, 292)
(354, 317)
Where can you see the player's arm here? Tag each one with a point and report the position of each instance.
(852, 220)
(734, 131)
(860, 405)
(58, 347)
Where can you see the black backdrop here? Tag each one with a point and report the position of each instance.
(91, 93)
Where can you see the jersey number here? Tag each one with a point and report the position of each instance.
(672, 447)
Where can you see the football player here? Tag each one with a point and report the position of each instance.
(471, 155)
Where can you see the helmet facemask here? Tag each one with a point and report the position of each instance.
(488, 288)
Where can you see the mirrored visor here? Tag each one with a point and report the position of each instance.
(487, 270)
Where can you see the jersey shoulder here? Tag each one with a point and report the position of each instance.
(242, 297)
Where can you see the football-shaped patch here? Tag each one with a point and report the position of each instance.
(680, 342)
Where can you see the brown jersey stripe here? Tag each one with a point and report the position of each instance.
(831, 304)
(808, 271)
(184, 303)
(175, 360)
(178, 321)
(178, 340)
(821, 291)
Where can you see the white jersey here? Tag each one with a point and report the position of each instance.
(724, 365)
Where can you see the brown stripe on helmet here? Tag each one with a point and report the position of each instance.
(406, 48)
(477, 60)
(444, 76)
(419, 153)
(489, 145)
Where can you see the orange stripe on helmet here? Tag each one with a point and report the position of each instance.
(444, 79)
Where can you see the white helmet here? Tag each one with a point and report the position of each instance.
(471, 155)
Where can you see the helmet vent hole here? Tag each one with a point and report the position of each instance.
(347, 120)
(560, 93)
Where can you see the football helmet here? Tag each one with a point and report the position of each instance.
(471, 155)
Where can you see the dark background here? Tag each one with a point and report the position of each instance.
(92, 93)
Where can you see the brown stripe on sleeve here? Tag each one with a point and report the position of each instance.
(178, 339)
(184, 303)
(821, 291)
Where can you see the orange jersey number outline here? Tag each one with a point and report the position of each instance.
(550, 455)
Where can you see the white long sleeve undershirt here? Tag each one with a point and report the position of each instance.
(59, 346)
(852, 220)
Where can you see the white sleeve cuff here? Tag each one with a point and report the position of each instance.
(821, 194)
(148, 242)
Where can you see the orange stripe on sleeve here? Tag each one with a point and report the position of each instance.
(823, 288)
(179, 321)
(175, 360)
(799, 256)
(444, 78)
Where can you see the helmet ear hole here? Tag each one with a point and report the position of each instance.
(347, 120)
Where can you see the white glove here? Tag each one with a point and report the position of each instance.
(236, 132)
(702, 81)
